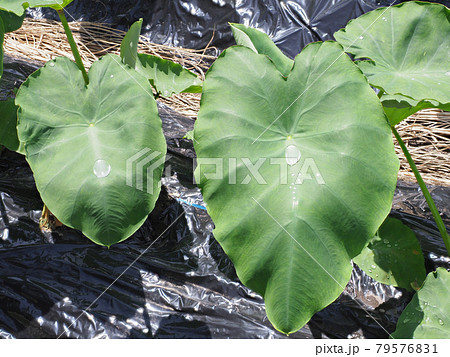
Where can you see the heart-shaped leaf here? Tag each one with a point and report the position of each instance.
(394, 256)
(289, 173)
(407, 45)
(19, 6)
(259, 42)
(8, 124)
(84, 144)
(165, 76)
(427, 315)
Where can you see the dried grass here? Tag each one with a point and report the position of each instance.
(426, 133)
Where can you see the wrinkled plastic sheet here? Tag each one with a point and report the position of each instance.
(194, 23)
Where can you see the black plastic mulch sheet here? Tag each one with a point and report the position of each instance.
(194, 23)
(171, 279)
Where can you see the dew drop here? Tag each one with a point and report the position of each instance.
(292, 155)
(384, 19)
(389, 245)
(447, 73)
(370, 270)
(385, 241)
(361, 37)
(131, 44)
(413, 79)
(441, 322)
(376, 275)
(396, 245)
(374, 266)
(52, 64)
(425, 303)
(111, 76)
(102, 168)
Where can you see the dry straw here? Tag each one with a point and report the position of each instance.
(426, 134)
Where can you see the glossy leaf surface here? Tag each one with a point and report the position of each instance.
(408, 47)
(427, 315)
(83, 143)
(289, 173)
(394, 256)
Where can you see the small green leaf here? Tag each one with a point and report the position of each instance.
(19, 6)
(407, 45)
(85, 145)
(394, 256)
(317, 191)
(398, 107)
(167, 77)
(129, 45)
(11, 21)
(428, 313)
(8, 125)
(260, 43)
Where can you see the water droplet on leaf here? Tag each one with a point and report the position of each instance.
(441, 322)
(102, 168)
(361, 37)
(112, 75)
(292, 155)
(52, 64)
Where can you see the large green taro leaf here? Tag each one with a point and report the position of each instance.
(394, 256)
(83, 142)
(408, 47)
(428, 313)
(259, 42)
(323, 172)
(19, 6)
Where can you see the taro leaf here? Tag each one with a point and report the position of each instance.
(428, 313)
(394, 256)
(8, 125)
(129, 45)
(166, 76)
(398, 107)
(408, 48)
(259, 42)
(11, 21)
(19, 6)
(317, 190)
(84, 144)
